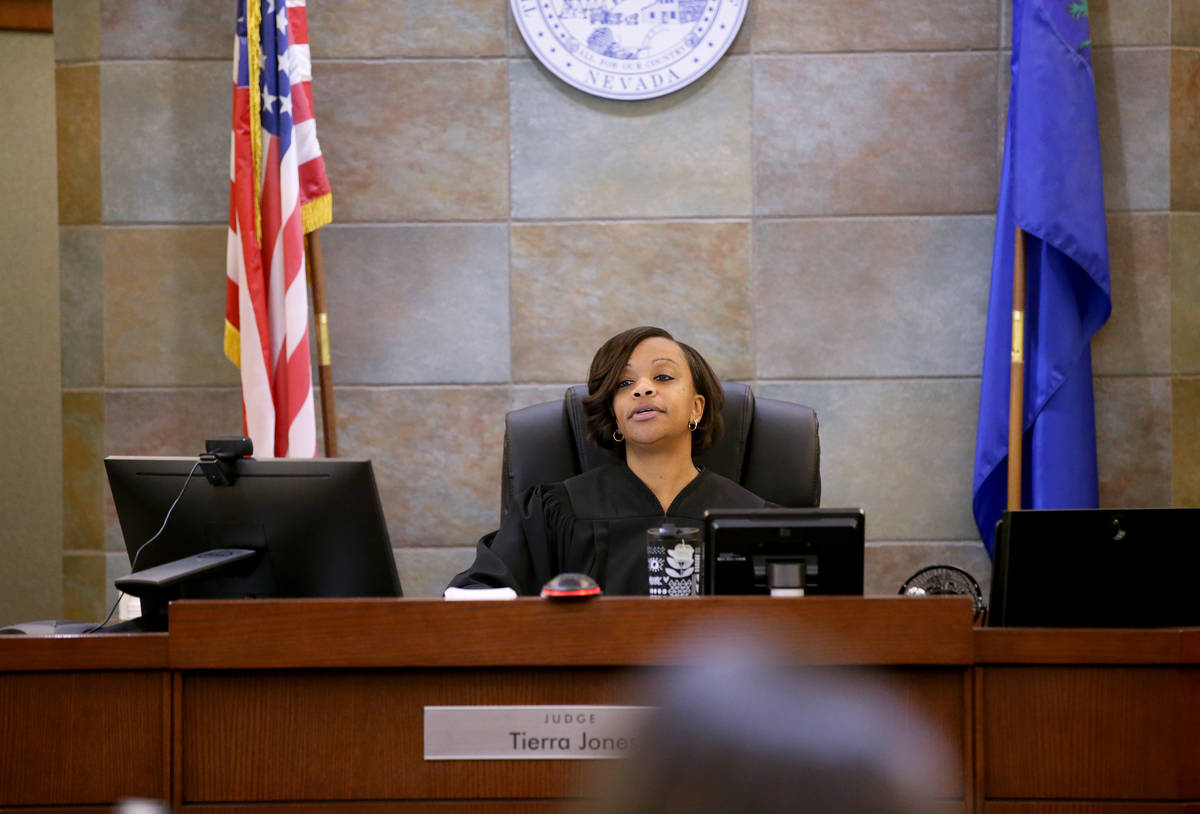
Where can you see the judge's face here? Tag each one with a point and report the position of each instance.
(656, 397)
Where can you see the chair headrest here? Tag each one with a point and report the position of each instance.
(727, 457)
(770, 447)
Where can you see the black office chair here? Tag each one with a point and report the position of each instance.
(770, 447)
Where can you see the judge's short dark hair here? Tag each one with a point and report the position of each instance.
(608, 368)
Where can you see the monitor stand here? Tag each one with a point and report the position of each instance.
(157, 586)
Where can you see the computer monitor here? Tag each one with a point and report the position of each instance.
(283, 528)
(741, 545)
(1096, 568)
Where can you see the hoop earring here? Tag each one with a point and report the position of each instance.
(617, 436)
(692, 425)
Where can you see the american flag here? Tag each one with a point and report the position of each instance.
(278, 192)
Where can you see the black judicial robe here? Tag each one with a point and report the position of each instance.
(594, 523)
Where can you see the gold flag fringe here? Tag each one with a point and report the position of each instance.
(317, 212)
(233, 344)
(254, 56)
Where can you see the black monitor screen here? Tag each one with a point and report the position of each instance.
(741, 545)
(1096, 568)
(315, 527)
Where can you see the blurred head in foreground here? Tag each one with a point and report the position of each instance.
(736, 735)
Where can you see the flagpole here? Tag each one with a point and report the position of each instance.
(316, 278)
(1016, 384)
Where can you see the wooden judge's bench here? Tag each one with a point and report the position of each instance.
(282, 706)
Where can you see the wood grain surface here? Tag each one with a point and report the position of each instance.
(1087, 733)
(1189, 650)
(1084, 807)
(413, 807)
(299, 705)
(96, 651)
(27, 15)
(358, 735)
(1079, 646)
(82, 737)
(268, 634)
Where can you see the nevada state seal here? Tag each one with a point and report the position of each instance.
(629, 49)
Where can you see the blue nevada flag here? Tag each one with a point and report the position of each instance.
(1052, 188)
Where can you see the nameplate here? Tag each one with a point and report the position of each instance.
(531, 732)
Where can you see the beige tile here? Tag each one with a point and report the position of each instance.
(1133, 440)
(901, 449)
(1185, 129)
(85, 576)
(1137, 337)
(436, 454)
(874, 25)
(165, 143)
(1185, 292)
(180, 29)
(1185, 440)
(445, 154)
(427, 571)
(407, 28)
(163, 422)
(164, 307)
(516, 42)
(76, 30)
(875, 134)
(529, 395)
(1114, 22)
(1118, 22)
(88, 589)
(77, 102)
(169, 421)
(575, 285)
(81, 314)
(687, 153)
(83, 469)
(176, 421)
(116, 565)
(1185, 23)
(1133, 100)
(888, 565)
(871, 297)
(417, 303)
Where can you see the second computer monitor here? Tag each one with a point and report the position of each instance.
(740, 545)
(316, 526)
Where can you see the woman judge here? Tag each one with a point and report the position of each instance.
(655, 403)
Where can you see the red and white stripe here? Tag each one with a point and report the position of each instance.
(314, 183)
(266, 288)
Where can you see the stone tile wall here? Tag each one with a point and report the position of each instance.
(815, 215)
